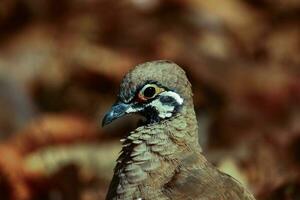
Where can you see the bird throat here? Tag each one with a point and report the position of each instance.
(151, 153)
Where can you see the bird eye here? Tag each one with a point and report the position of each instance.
(149, 91)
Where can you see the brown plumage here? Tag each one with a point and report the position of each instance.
(162, 159)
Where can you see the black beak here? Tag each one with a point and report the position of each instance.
(116, 111)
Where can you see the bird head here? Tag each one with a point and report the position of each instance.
(157, 90)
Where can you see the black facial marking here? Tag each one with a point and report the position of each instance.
(151, 114)
(167, 100)
(170, 101)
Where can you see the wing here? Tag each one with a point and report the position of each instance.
(197, 179)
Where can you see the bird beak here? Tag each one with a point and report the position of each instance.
(116, 111)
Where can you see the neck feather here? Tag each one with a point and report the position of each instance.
(155, 150)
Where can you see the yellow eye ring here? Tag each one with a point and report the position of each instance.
(149, 91)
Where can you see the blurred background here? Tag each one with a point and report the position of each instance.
(61, 63)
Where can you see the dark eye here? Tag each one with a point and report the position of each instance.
(149, 92)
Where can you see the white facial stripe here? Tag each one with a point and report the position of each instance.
(165, 111)
(133, 110)
(174, 95)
